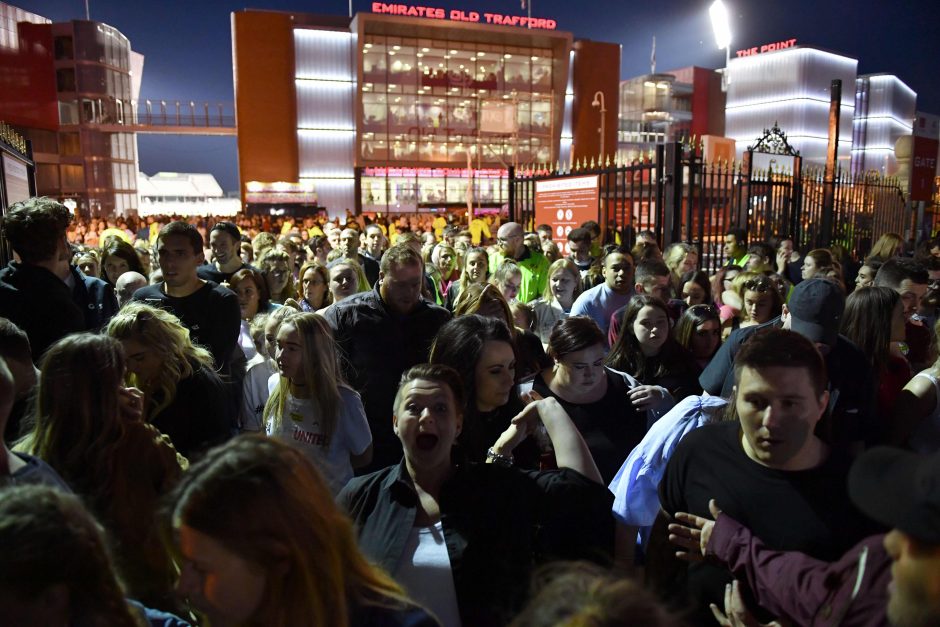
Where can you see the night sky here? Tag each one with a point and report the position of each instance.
(188, 53)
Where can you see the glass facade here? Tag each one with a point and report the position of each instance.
(430, 189)
(654, 109)
(422, 101)
(99, 167)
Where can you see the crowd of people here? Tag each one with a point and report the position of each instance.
(421, 422)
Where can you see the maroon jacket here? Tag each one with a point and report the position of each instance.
(852, 592)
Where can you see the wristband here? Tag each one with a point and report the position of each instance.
(500, 460)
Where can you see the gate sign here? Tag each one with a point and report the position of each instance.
(923, 168)
(565, 204)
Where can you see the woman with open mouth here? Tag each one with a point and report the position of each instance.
(463, 538)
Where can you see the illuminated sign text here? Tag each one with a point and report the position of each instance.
(779, 45)
(457, 15)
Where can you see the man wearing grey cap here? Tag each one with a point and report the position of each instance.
(815, 312)
(891, 579)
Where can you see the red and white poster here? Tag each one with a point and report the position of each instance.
(565, 204)
(923, 168)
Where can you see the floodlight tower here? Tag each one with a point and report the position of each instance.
(721, 25)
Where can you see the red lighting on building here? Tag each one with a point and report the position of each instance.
(456, 15)
(778, 45)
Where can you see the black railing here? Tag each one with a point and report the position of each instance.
(678, 196)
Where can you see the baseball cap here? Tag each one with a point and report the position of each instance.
(816, 307)
(900, 489)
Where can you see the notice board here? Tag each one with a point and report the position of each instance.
(565, 204)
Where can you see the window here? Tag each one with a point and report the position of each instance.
(63, 48)
(65, 79)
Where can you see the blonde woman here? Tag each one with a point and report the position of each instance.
(564, 286)
(508, 279)
(888, 246)
(183, 396)
(275, 266)
(314, 291)
(346, 279)
(680, 258)
(311, 406)
(475, 270)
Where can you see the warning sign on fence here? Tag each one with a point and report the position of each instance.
(565, 204)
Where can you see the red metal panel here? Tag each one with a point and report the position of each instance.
(27, 80)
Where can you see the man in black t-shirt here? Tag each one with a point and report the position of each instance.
(208, 310)
(225, 242)
(768, 470)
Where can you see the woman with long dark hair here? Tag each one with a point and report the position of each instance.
(88, 428)
(874, 321)
(481, 349)
(262, 543)
(646, 350)
(595, 396)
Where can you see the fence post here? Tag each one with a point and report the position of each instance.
(832, 155)
(672, 193)
(512, 194)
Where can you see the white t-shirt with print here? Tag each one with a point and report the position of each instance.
(301, 427)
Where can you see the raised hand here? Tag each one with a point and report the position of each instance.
(736, 613)
(691, 533)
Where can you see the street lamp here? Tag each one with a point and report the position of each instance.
(721, 25)
(599, 102)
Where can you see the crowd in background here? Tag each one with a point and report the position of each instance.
(422, 421)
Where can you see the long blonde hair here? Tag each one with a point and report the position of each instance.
(321, 373)
(163, 333)
(266, 502)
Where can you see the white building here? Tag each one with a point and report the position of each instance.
(791, 87)
(884, 112)
(183, 194)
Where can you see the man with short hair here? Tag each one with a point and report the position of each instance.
(579, 249)
(735, 248)
(768, 469)
(349, 241)
(33, 292)
(381, 333)
(545, 233)
(208, 310)
(909, 278)
(599, 302)
(534, 264)
(652, 279)
(225, 241)
(884, 579)
(760, 258)
(814, 311)
(373, 243)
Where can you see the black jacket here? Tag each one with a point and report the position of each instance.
(376, 346)
(95, 298)
(498, 523)
(39, 303)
